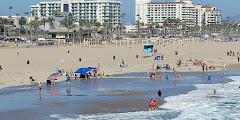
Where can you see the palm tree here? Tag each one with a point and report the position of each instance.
(43, 22)
(10, 8)
(26, 13)
(50, 21)
(105, 26)
(17, 19)
(17, 15)
(3, 22)
(121, 25)
(80, 35)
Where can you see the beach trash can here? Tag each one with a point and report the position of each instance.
(17, 53)
(114, 57)
(136, 56)
(80, 59)
(68, 51)
(28, 62)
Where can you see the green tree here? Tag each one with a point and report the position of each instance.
(10, 9)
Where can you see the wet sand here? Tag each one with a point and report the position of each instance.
(126, 93)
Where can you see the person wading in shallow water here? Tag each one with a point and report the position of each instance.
(209, 78)
(159, 93)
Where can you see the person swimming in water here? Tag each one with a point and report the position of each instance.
(179, 76)
(167, 77)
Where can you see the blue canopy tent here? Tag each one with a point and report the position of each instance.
(84, 71)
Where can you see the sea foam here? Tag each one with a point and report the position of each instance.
(195, 105)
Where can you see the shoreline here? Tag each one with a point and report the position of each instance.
(44, 60)
(116, 103)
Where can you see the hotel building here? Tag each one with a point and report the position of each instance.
(194, 15)
(99, 10)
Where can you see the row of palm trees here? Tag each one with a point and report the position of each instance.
(176, 27)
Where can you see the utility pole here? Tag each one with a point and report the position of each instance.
(4, 32)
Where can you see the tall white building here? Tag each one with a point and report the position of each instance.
(99, 10)
(149, 12)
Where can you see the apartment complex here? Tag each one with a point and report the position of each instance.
(99, 10)
(149, 12)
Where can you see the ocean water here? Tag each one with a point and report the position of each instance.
(199, 104)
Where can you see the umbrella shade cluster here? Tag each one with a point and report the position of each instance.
(54, 74)
(84, 70)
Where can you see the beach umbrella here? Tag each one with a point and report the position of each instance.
(54, 74)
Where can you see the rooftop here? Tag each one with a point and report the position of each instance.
(208, 6)
(165, 2)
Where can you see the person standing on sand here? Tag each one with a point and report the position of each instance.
(238, 57)
(99, 66)
(203, 67)
(0, 68)
(224, 66)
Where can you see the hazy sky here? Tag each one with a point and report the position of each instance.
(228, 7)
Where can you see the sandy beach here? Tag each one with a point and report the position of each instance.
(45, 60)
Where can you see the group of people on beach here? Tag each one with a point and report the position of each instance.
(231, 53)
(153, 102)
(122, 65)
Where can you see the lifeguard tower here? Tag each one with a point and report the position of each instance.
(148, 49)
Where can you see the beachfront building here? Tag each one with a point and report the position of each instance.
(98, 10)
(184, 10)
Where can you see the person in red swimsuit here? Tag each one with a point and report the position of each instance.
(151, 105)
(154, 103)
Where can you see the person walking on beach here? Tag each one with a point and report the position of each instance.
(209, 78)
(0, 68)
